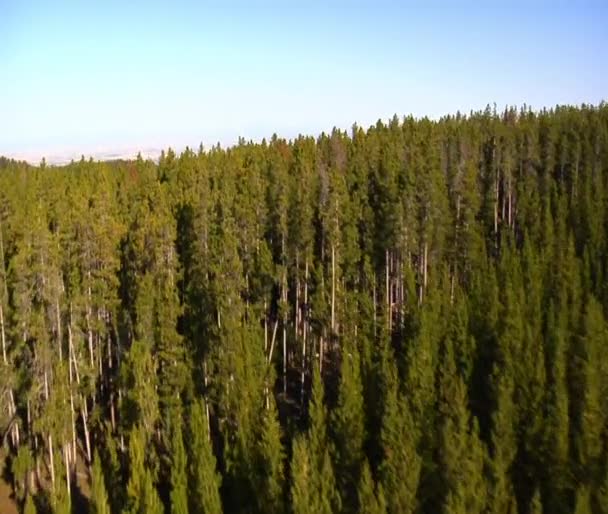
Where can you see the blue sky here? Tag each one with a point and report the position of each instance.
(96, 76)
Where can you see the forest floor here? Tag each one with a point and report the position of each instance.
(80, 490)
(7, 505)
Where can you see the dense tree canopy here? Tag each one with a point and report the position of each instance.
(410, 318)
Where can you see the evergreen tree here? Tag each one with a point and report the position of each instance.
(179, 479)
(142, 496)
(313, 481)
(204, 480)
(462, 453)
(370, 498)
(271, 465)
(30, 505)
(302, 493)
(536, 506)
(99, 496)
(349, 427)
(400, 464)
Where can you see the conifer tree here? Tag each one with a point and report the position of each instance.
(270, 491)
(582, 501)
(313, 481)
(462, 453)
(348, 427)
(30, 505)
(536, 506)
(179, 479)
(142, 496)
(302, 493)
(99, 496)
(400, 463)
(370, 499)
(204, 480)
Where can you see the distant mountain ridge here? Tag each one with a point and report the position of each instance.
(60, 158)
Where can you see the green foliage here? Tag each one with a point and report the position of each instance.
(271, 464)
(179, 478)
(313, 483)
(99, 495)
(204, 481)
(142, 496)
(29, 506)
(447, 276)
(400, 464)
(370, 499)
(348, 427)
(462, 453)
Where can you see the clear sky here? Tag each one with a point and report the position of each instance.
(97, 76)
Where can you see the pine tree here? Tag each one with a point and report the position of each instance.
(536, 506)
(370, 499)
(179, 479)
(302, 493)
(462, 453)
(589, 419)
(400, 463)
(313, 481)
(501, 494)
(582, 501)
(30, 505)
(142, 496)
(270, 491)
(204, 479)
(99, 496)
(601, 496)
(348, 427)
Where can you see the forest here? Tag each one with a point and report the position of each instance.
(407, 319)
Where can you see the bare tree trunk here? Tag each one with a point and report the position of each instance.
(66, 458)
(333, 289)
(265, 329)
(305, 330)
(58, 314)
(73, 419)
(15, 429)
(296, 314)
(274, 337)
(386, 291)
(51, 461)
(49, 436)
(284, 295)
(426, 264)
(88, 320)
(284, 357)
(2, 333)
(375, 300)
(87, 438)
(321, 351)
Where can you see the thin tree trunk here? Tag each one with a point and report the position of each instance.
(73, 419)
(87, 438)
(58, 314)
(305, 329)
(66, 458)
(49, 436)
(15, 429)
(284, 294)
(333, 289)
(426, 264)
(51, 461)
(2, 333)
(321, 351)
(386, 290)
